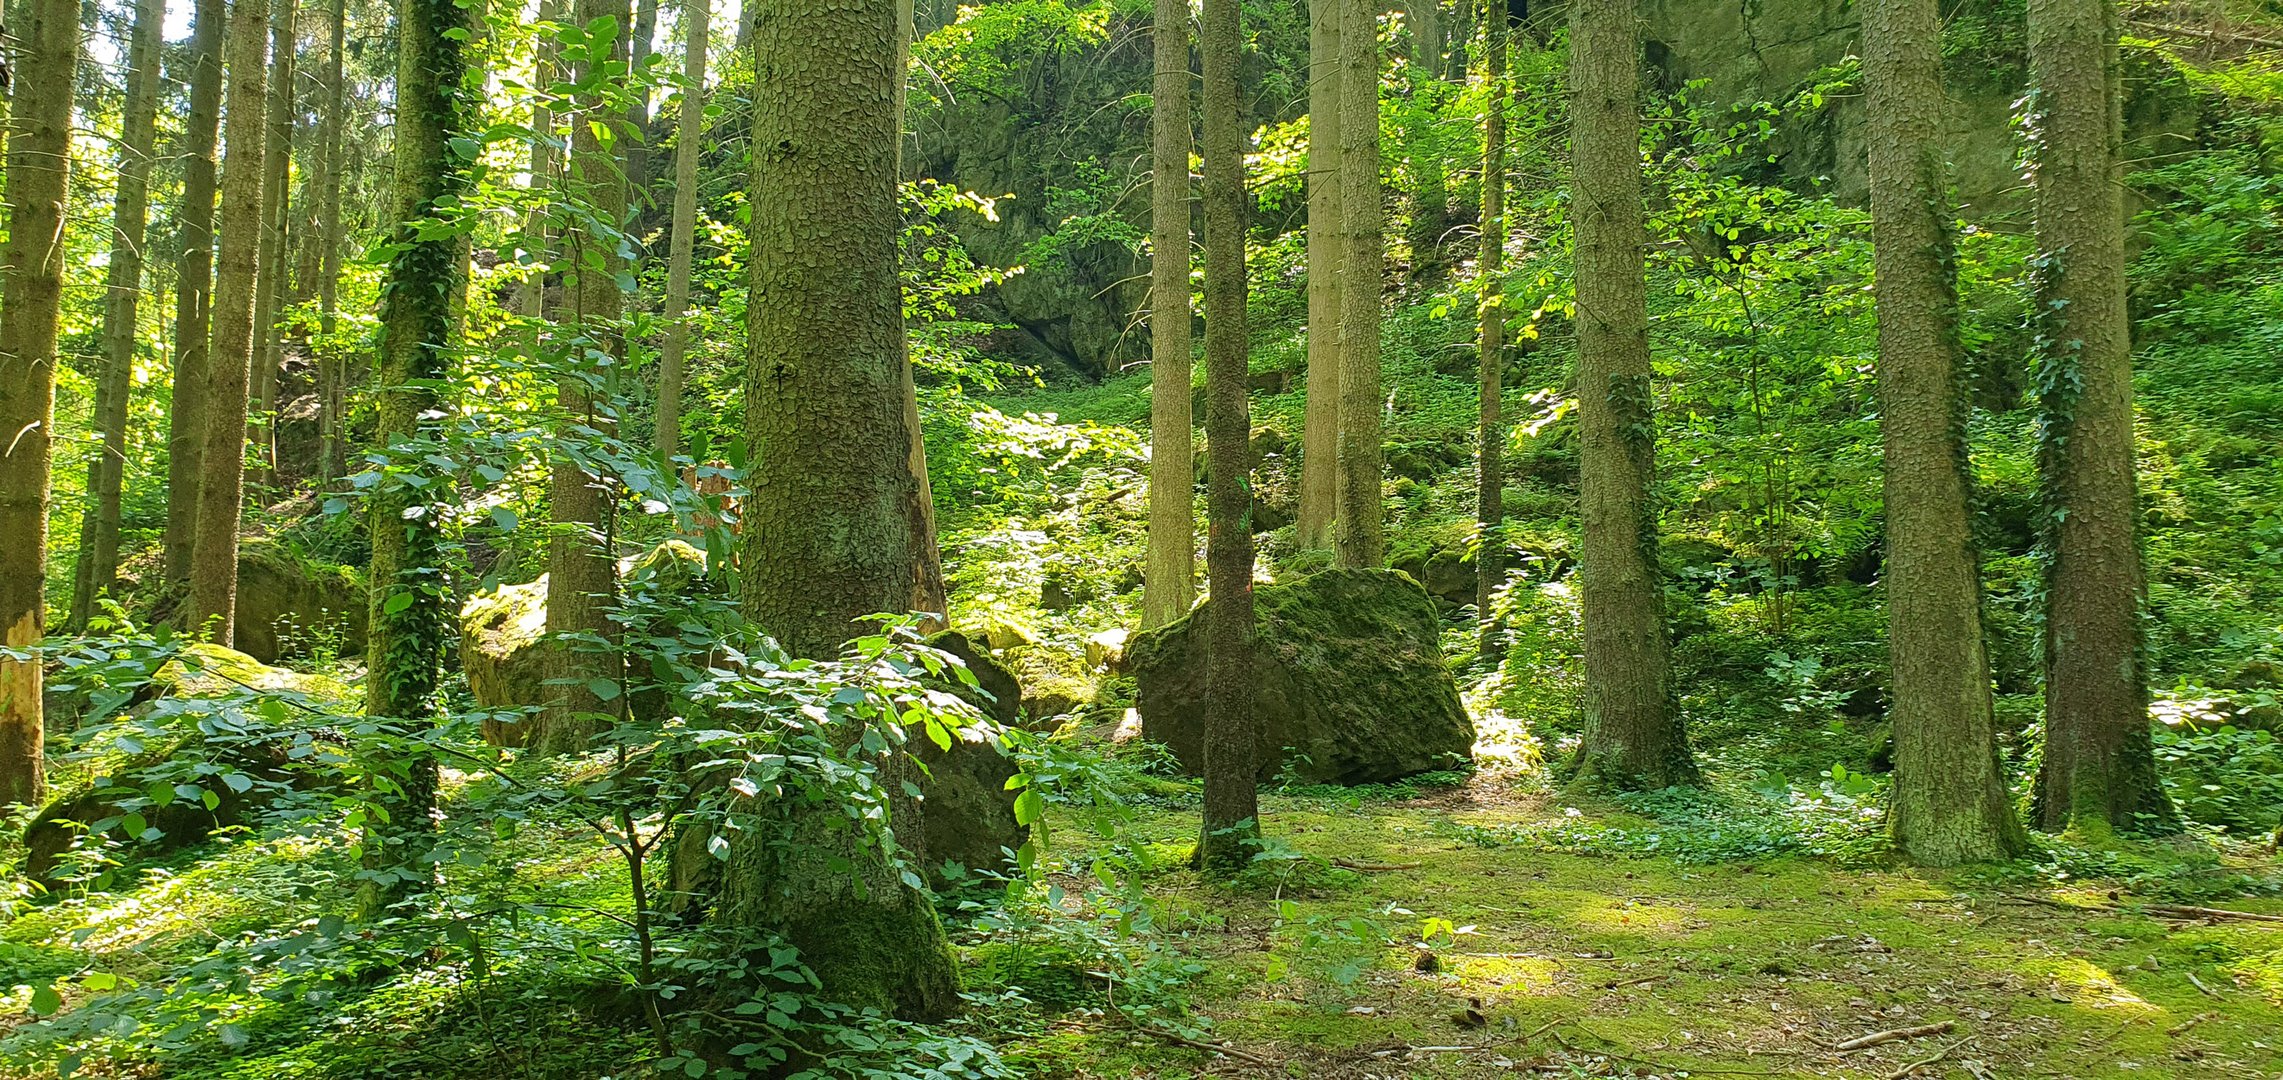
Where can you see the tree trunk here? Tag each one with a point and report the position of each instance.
(641, 42)
(1633, 736)
(540, 249)
(214, 549)
(31, 300)
(411, 616)
(1320, 431)
(2099, 769)
(269, 283)
(332, 366)
(1170, 585)
(1360, 534)
(689, 133)
(1949, 804)
(828, 532)
(193, 289)
(98, 567)
(930, 596)
(1232, 801)
(1490, 432)
(581, 569)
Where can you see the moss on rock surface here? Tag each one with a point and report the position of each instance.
(499, 649)
(291, 606)
(967, 815)
(1352, 688)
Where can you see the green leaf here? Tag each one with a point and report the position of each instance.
(1029, 807)
(45, 1001)
(396, 602)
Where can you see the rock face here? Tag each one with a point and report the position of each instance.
(499, 649)
(1352, 688)
(291, 606)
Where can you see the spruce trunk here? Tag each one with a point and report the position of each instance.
(31, 303)
(1633, 736)
(1490, 361)
(193, 289)
(689, 133)
(269, 285)
(2099, 767)
(1949, 801)
(1232, 800)
(332, 366)
(1320, 428)
(1359, 534)
(1170, 584)
(828, 530)
(221, 499)
(98, 567)
(581, 570)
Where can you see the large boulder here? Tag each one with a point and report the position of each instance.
(291, 606)
(1351, 687)
(967, 814)
(499, 649)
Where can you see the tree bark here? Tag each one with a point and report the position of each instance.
(533, 299)
(31, 302)
(642, 40)
(193, 289)
(828, 530)
(221, 499)
(1359, 533)
(1633, 736)
(581, 569)
(332, 366)
(1232, 801)
(689, 133)
(1949, 801)
(1490, 431)
(2099, 768)
(270, 283)
(98, 568)
(1320, 427)
(1170, 585)
(411, 617)
(1431, 196)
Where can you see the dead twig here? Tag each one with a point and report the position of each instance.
(2199, 984)
(1876, 1038)
(2182, 1027)
(2173, 911)
(1631, 982)
(1923, 1062)
(1375, 868)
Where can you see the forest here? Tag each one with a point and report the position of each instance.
(936, 540)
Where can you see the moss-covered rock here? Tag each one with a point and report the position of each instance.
(1352, 687)
(1055, 681)
(499, 649)
(209, 671)
(967, 815)
(292, 606)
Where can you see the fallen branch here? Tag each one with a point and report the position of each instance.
(1544, 1028)
(1631, 982)
(2172, 911)
(1923, 1062)
(1876, 1038)
(2199, 984)
(2182, 1027)
(1375, 868)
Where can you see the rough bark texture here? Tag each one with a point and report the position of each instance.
(1232, 800)
(1170, 584)
(214, 548)
(1490, 429)
(828, 533)
(1949, 802)
(405, 639)
(531, 301)
(193, 288)
(31, 297)
(1360, 535)
(930, 596)
(98, 566)
(1320, 428)
(332, 366)
(1633, 735)
(2099, 770)
(581, 574)
(1431, 196)
(641, 42)
(269, 283)
(689, 134)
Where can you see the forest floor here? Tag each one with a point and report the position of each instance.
(1592, 965)
(1551, 962)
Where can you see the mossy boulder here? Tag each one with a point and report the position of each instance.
(967, 814)
(291, 606)
(1351, 687)
(265, 769)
